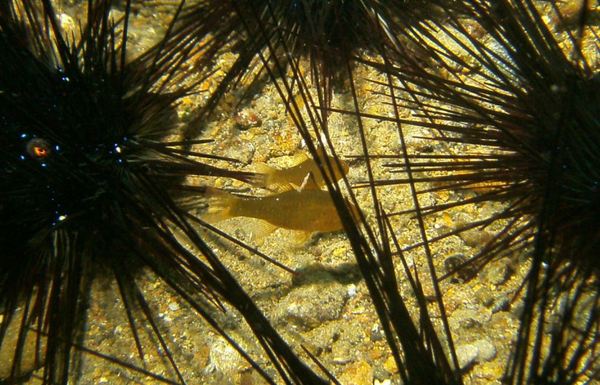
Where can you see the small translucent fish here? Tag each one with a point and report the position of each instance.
(304, 175)
(308, 211)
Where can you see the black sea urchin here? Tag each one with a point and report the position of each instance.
(81, 131)
(520, 115)
(330, 34)
(89, 184)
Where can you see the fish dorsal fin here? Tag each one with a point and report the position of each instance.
(299, 158)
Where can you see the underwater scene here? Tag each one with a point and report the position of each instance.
(354, 192)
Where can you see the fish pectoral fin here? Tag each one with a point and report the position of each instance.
(308, 183)
(260, 230)
(296, 187)
(307, 179)
(300, 238)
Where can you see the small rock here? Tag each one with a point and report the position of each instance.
(246, 118)
(358, 373)
(467, 355)
(236, 148)
(377, 333)
(475, 238)
(390, 365)
(353, 336)
(223, 358)
(487, 351)
(299, 306)
(485, 296)
(456, 264)
(387, 381)
(517, 310)
(453, 262)
(498, 272)
(321, 338)
(494, 300)
(469, 318)
(476, 352)
(352, 290)
(501, 304)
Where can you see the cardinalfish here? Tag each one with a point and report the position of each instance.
(306, 210)
(304, 175)
(301, 206)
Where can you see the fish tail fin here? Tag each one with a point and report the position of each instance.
(221, 205)
(254, 178)
(258, 179)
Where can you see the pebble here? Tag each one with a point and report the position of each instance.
(467, 355)
(517, 310)
(321, 338)
(67, 22)
(469, 318)
(494, 300)
(390, 365)
(498, 272)
(352, 290)
(475, 238)
(476, 352)
(501, 304)
(485, 296)
(246, 119)
(358, 373)
(353, 335)
(223, 358)
(237, 148)
(309, 306)
(453, 264)
(377, 333)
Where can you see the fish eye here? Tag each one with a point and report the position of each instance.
(38, 148)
